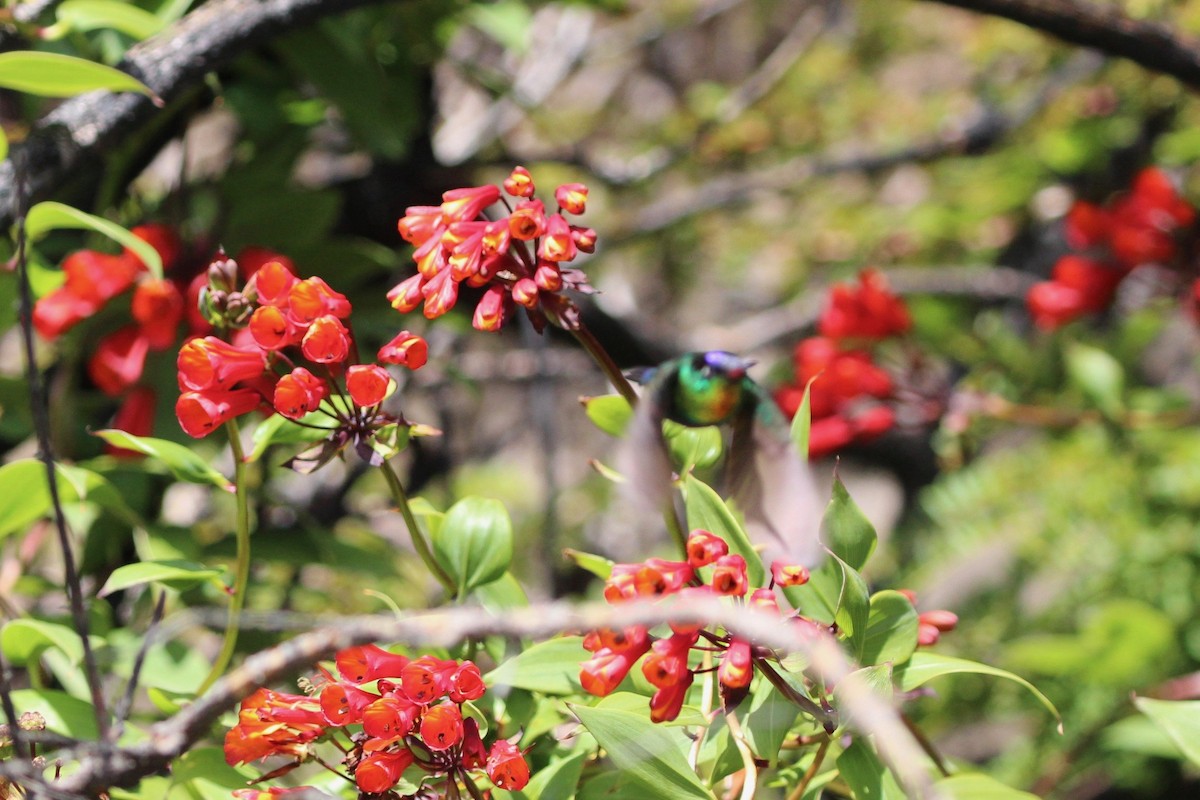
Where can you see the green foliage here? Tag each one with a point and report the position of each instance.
(57, 75)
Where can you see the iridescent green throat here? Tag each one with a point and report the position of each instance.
(705, 397)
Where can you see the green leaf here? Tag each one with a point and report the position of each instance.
(599, 566)
(26, 497)
(56, 75)
(23, 640)
(847, 532)
(555, 781)
(973, 786)
(802, 422)
(651, 756)
(183, 463)
(204, 772)
(3, 145)
(639, 703)
(706, 509)
(923, 667)
(50, 216)
(1099, 376)
(474, 542)
(175, 573)
(610, 413)
(64, 714)
(278, 429)
(501, 594)
(854, 607)
(549, 667)
(865, 774)
(692, 447)
(90, 15)
(765, 720)
(891, 630)
(1180, 719)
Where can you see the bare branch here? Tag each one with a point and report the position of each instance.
(102, 766)
(1105, 28)
(84, 128)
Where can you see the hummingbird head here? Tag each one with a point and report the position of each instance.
(720, 364)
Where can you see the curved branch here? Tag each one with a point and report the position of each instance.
(102, 766)
(1105, 28)
(84, 128)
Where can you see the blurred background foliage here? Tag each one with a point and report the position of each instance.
(741, 154)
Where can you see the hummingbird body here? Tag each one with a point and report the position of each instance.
(768, 480)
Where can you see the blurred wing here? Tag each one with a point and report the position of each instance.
(773, 486)
(642, 455)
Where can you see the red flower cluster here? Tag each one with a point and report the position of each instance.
(1137, 227)
(709, 571)
(845, 397)
(287, 319)
(518, 260)
(410, 711)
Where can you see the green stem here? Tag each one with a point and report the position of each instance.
(606, 363)
(241, 579)
(807, 706)
(419, 543)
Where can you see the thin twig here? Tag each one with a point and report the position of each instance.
(812, 770)
(926, 745)
(121, 713)
(10, 712)
(40, 408)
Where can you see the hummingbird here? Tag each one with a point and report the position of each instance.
(767, 479)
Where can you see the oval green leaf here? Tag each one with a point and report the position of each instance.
(22, 640)
(706, 509)
(183, 463)
(891, 630)
(51, 216)
(1179, 718)
(64, 714)
(848, 533)
(549, 667)
(474, 542)
(57, 75)
(974, 786)
(802, 422)
(610, 413)
(175, 573)
(26, 497)
(652, 756)
(90, 15)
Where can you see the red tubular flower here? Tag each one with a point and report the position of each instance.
(703, 548)
(571, 197)
(273, 723)
(369, 662)
(557, 245)
(737, 666)
(99, 277)
(405, 349)
(653, 578)
(667, 663)
(506, 766)
(474, 756)
(380, 771)
(525, 292)
(60, 310)
(729, 576)
(547, 276)
(271, 328)
(390, 717)
(251, 258)
(312, 298)
(298, 393)
(667, 701)
(420, 224)
(344, 703)
(519, 183)
(464, 205)
(492, 310)
(527, 221)
(1053, 304)
(784, 574)
(466, 684)
(158, 308)
(368, 384)
(763, 600)
(163, 238)
(327, 341)
(584, 238)
(603, 672)
(442, 726)
(272, 283)
(440, 293)
(211, 363)
(119, 360)
(200, 412)
(635, 639)
(427, 679)
(1087, 225)
(407, 295)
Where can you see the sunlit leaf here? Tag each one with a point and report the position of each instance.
(183, 463)
(51, 216)
(550, 667)
(175, 573)
(474, 542)
(1179, 718)
(89, 15)
(924, 666)
(891, 629)
(706, 509)
(865, 774)
(610, 412)
(64, 714)
(848, 533)
(974, 786)
(57, 75)
(23, 639)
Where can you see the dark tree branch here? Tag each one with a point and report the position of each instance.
(1105, 28)
(102, 765)
(85, 128)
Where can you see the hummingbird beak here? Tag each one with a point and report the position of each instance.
(739, 371)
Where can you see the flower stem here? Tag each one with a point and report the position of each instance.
(811, 772)
(241, 577)
(419, 543)
(826, 718)
(605, 362)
